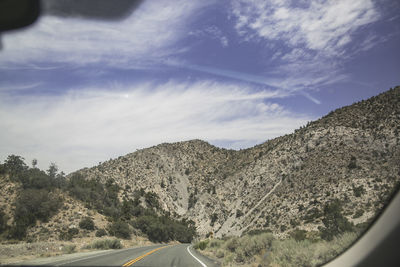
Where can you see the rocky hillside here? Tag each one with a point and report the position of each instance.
(352, 154)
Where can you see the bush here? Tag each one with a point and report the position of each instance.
(151, 200)
(69, 249)
(239, 213)
(232, 244)
(68, 235)
(352, 163)
(119, 229)
(215, 243)
(311, 215)
(358, 213)
(164, 229)
(358, 190)
(220, 254)
(214, 218)
(202, 245)
(298, 235)
(87, 223)
(101, 232)
(106, 244)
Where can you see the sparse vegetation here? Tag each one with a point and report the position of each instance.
(265, 250)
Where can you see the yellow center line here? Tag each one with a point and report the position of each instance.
(129, 263)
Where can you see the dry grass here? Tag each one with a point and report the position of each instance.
(264, 250)
(12, 253)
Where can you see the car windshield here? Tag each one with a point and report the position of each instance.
(267, 128)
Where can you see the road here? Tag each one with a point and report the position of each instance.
(181, 255)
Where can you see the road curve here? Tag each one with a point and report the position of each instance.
(181, 255)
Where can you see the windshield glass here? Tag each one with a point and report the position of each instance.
(78, 89)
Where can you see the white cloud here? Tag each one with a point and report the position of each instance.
(83, 127)
(14, 87)
(309, 40)
(212, 32)
(315, 25)
(150, 32)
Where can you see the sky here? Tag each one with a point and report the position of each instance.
(78, 90)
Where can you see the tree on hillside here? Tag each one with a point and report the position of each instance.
(32, 205)
(15, 165)
(334, 221)
(52, 171)
(3, 221)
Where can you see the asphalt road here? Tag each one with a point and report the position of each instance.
(181, 255)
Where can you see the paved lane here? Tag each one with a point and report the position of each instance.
(175, 256)
(181, 255)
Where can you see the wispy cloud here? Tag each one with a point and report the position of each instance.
(17, 87)
(212, 32)
(314, 25)
(149, 33)
(83, 127)
(277, 87)
(311, 39)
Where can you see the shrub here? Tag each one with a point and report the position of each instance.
(192, 201)
(163, 228)
(257, 232)
(312, 214)
(69, 249)
(232, 244)
(352, 163)
(239, 213)
(68, 235)
(358, 190)
(101, 232)
(220, 253)
(151, 199)
(213, 218)
(202, 245)
(106, 244)
(298, 234)
(86, 223)
(119, 229)
(358, 213)
(215, 243)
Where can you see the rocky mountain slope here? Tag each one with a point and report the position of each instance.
(352, 154)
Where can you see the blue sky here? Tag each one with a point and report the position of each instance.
(234, 73)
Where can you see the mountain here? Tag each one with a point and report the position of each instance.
(351, 155)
